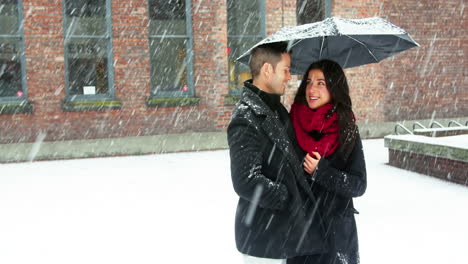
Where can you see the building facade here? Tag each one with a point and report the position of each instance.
(114, 69)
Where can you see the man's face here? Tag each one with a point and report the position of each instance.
(281, 75)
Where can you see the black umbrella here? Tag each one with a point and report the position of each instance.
(350, 42)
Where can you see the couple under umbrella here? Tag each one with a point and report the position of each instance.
(297, 173)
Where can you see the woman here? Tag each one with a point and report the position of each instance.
(326, 130)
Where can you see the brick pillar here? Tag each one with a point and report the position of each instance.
(44, 52)
(131, 53)
(366, 83)
(211, 60)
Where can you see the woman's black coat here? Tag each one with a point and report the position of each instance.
(277, 214)
(338, 181)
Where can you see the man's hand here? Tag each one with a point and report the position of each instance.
(310, 163)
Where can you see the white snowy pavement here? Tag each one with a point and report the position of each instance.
(179, 208)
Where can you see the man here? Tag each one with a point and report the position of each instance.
(276, 215)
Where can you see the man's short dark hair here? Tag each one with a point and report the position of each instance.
(266, 53)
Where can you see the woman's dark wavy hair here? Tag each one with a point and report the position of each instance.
(338, 87)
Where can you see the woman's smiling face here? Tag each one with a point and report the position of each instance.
(317, 94)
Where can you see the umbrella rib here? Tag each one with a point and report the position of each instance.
(296, 42)
(368, 50)
(321, 47)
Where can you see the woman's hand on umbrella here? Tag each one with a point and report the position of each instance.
(311, 162)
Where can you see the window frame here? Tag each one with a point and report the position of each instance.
(20, 37)
(110, 95)
(189, 49)
(262, 10)
(328, 8)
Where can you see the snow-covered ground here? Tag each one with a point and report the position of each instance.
(179, 208)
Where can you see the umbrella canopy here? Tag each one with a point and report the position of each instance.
(349, 42)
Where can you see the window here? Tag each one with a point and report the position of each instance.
(310, 11)
(88, 50)
(170, 37)
(246, 27)
(12, 64)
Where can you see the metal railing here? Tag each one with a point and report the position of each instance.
(401, 129)
(418, 124)
(437, 124)
(456, 123)
(398, 125)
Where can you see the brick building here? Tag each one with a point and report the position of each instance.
(97, 74)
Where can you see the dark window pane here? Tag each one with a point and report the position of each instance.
(245, 22)
(10, 78)
(167, 17)
(310, 11)
(87, 66)
(9, 21)
(10, 68)
(239, 45)
(238, 72)
(244, 17)
(169, 65)
(85, 8)
(85, 17)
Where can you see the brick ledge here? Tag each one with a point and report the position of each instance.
(169, 102)
(22, 107)
(78, 106)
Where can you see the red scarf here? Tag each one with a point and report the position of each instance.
(317, 122)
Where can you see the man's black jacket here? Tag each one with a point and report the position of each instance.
(277, 214)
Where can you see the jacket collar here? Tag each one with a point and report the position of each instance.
(253, 100)
(273, 127)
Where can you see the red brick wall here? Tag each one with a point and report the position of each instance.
(432, 78)
(280, 13)
(46, 77)
(366, 83)
(210, 63)
(43, 37)
(378, 91)
(445, 169)
(419, 83)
